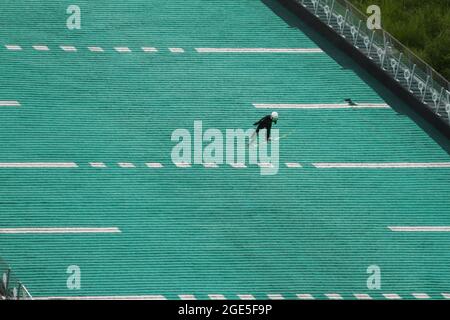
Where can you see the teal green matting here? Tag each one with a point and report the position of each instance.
(207, 230)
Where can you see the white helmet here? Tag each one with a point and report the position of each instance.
(274, 116)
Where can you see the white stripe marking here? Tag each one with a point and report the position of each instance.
(420, 229)
(187, 297)
(446, 295)
(122, 49)
(217, 297)
(58, 230)
(96, 49)
(275, 297)
(13, 47)
(383, 165)
(246, 297)
(183, 165)
(97, 164)
(149, 49)
(321, 106)
(293, 165)
(238, 165)
(258, 50)
(126, 165)
(265, 165)
(176, 50)
(210, 165)
(41, 48)
(38, 165)
(362, 296)
(192, 297)
(391, 296)
(148, 297)
(333, 296)
(154, 165)
(11, 103)
(68, 48)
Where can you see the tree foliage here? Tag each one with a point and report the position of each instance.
(421, 25)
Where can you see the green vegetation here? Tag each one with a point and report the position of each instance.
(421, 25)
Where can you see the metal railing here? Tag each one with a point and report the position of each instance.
(10, 286)
(388, 53)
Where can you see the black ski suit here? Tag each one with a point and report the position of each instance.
(264, 123)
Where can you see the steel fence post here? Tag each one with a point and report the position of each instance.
(6, 283)
(371, 42)
(385, 50)
(331, 12)
(357, 35)
(345, 21)
(440, 98)
(425, 89)
(18, 290)
(412, 77)
(398, 66)
(316, 7)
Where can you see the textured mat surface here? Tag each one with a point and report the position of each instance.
(203, 230)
